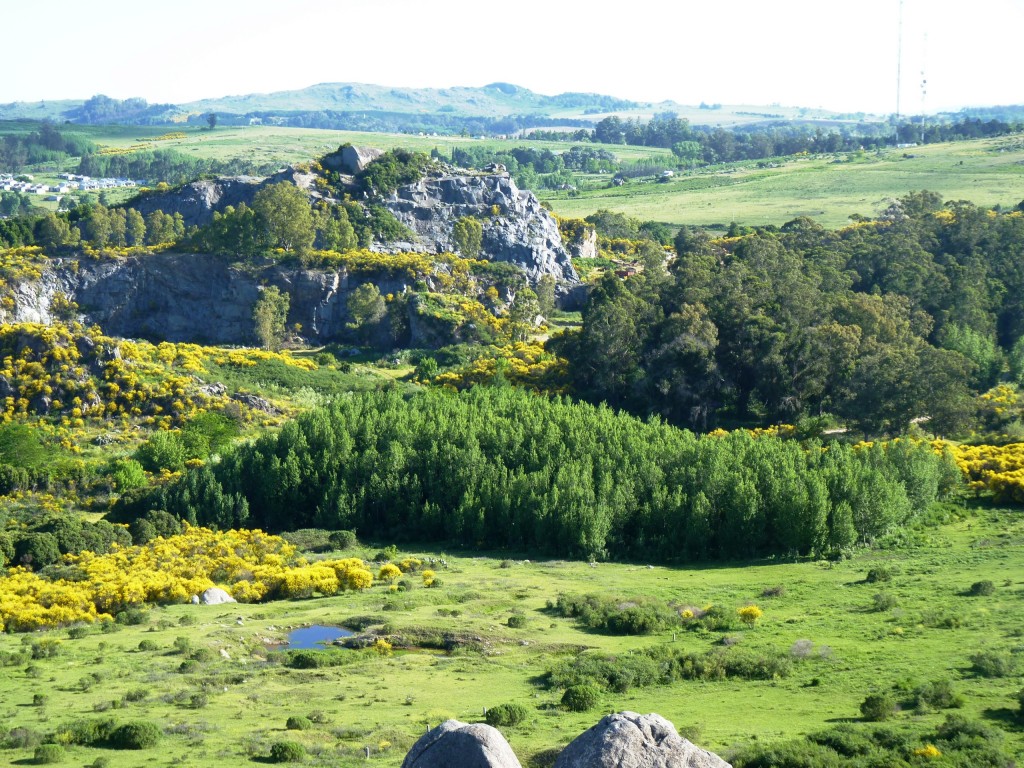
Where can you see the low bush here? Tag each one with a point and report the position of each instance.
(991, 664)
(883, 601)
(506, 715)
(982, 589)
(298, 723)
(132, 617)
(286, 752)
(137, 735)
(879, 574)
(47, 754)
(343, 539)
(937, 695)
(878, 707)
(516, 621)
(581, 698)
(617, 616)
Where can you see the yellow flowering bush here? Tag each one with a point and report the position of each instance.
(251, 564)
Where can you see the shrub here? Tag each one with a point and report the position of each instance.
(77, 632)
(286, 752)
(776, 591)
(505, 715)
(136, 694)
(39, 699)
(138, 735)
(298, 723)
(202, 655)
(21, 738)
(580, 698)
(982, 589)
(131, 617)
(879, 574)
(991, 664)
(883, 601)
(937, 695)
(149, 645)
(517, 621)
(343, 539)
(389, 572)
(749, 614)
(47, 754)
(878, 707)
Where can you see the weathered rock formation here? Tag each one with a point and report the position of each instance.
(630, 740)
(516, 229)
(454, 744)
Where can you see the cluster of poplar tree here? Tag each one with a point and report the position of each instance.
(498, 467)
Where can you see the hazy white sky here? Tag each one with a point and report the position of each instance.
(812, 53)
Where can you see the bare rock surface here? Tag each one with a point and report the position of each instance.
(516, 228)
(631, 740)
(454, 744)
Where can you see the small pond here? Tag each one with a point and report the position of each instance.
(314, 637)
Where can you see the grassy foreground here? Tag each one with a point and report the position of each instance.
(227, 708)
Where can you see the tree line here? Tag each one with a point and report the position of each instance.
(878, 323)
(497, 467)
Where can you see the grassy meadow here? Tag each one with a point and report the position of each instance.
(229, 707)
(828, 188)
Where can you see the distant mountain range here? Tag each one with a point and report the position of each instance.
(497, 108)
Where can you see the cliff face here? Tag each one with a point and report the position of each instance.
(516, 229)
(190, 297)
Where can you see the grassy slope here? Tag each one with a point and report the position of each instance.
(377, 699)
(986, 172)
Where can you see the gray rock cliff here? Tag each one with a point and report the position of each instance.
(190, 297)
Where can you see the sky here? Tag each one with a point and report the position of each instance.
(809, 53)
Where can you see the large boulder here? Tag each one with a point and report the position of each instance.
(350, 160)
(213, 596)
(454, 744)
(630, 740)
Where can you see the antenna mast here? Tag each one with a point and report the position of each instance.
(899, 63)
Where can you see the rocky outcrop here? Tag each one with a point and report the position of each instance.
(454, 744)
(516, 228)
(630, 740)
(350, 160)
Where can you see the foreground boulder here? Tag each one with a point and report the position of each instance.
(454, 744)
(212, 596)
(630, 740)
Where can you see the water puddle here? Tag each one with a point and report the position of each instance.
(315, 637)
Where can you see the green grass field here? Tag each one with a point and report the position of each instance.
(828, 189)
(386, 703)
